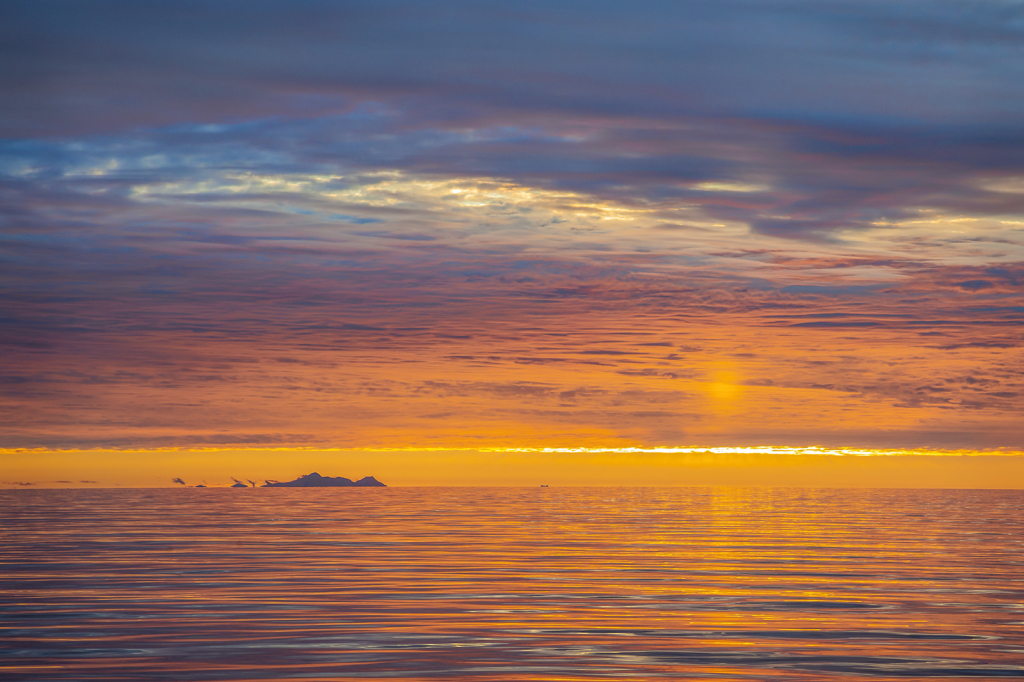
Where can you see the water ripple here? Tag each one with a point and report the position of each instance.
(511, 584)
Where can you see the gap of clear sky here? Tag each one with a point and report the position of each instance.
(252, 231)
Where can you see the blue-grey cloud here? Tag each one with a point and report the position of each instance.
(122, 63)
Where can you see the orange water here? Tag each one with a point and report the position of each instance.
(511, 584)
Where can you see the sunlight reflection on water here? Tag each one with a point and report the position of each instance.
(511, 584)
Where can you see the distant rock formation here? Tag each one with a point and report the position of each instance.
(239, 485)
(315, 480)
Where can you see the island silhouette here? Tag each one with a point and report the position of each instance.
(315, 480)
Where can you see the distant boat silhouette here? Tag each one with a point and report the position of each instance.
(543, 485)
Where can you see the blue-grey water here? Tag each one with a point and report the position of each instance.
(511, 584)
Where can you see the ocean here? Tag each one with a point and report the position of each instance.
(511, 584)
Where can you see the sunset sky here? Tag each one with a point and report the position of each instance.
(426, 241)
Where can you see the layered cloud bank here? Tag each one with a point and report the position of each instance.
(486, 225)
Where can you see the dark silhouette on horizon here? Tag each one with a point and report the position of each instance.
(315, 480)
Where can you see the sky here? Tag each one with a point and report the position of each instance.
(249, 231)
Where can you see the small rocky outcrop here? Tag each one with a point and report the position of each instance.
(315, 480)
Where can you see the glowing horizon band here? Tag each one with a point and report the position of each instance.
(683, 450)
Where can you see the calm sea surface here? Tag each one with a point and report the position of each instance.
(511, 584)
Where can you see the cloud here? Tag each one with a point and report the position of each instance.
(975, 284)
(471, 58)
(337, 220)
